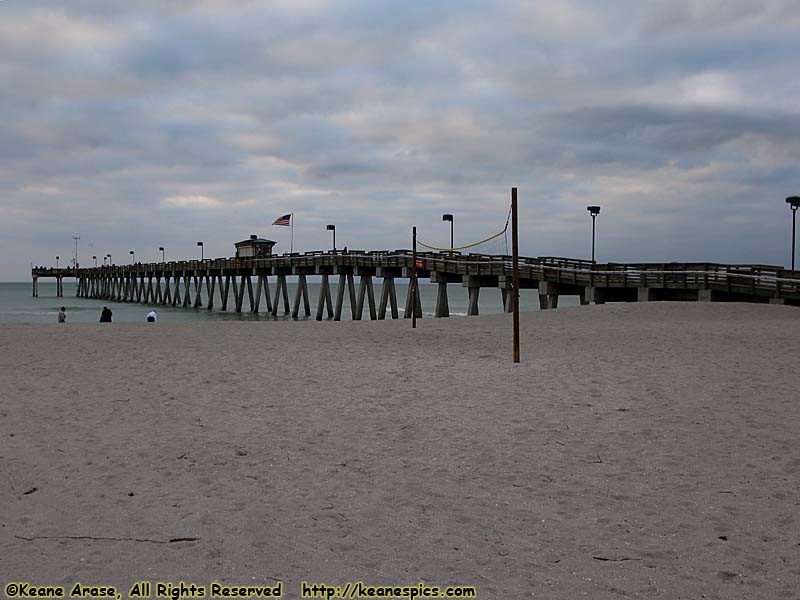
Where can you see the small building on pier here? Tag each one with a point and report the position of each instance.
(255, 247)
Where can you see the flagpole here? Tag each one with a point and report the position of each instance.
(291, 243)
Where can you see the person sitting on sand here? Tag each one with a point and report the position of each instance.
(152, 317)
(62, 315)
(105, 316)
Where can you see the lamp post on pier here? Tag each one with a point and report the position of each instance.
(449, 217)
(57, 257)
(594, 211)
(109, 259)
(95, 260)
(201, 250)
(794, 204)
(133, 256)
(333, 229)
(161, 248)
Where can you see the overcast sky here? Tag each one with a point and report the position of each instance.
(160, 123)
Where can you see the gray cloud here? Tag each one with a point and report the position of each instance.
(160, 123)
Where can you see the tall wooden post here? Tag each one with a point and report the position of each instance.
(413, 283)
(515, 271)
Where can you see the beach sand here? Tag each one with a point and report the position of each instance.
(644, 450)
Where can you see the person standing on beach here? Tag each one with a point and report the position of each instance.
(152, 317)
(62, 315)
(105, 316)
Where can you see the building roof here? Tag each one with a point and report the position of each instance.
(252, 241)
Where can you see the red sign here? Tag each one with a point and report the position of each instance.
(419, 264)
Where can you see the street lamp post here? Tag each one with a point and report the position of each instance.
(594, 211)
(104, 260)
(133, 256)
(95, 260)
(201, 250)
(161, 248)
(57, 257)
(333, 229)
(109, 259)
(794, 203)
(448, 217)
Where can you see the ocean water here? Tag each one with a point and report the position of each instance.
(18, 306)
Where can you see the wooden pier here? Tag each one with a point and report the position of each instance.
(259, 284)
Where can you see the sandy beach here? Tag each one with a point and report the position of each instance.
(639, 451)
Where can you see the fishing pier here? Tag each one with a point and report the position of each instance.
(259, 284)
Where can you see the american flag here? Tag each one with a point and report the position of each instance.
(284, 220)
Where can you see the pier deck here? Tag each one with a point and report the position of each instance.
(181, 283)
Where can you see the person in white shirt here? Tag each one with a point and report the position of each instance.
(152, 317)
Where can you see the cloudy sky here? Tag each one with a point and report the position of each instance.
(163, 122)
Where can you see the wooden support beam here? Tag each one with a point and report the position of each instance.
(417, 304)
(281, 293)
(340, 297)
(472, 306)
(351, 293)
(263, 284)
(645, 294)
(388, 296)
(211, 282)
(508, 300)
(223, 290)
(302, 290)
(238, 293)
(249, 280)
(176, 296)
(324, 298)
(198, 289)
(365, 289)
(187, 290)
(548, 294)
(259, 285)
(442, 305)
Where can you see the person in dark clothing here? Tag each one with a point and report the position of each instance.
(105, 316)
